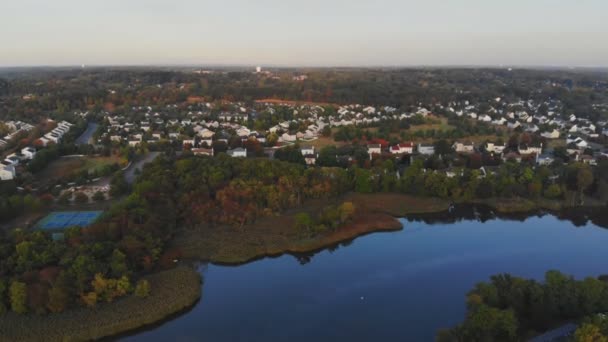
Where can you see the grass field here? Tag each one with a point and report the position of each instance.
(66, 167)
(64, 219)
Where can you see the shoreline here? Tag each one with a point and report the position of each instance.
(173, 292)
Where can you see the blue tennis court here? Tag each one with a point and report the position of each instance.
(62, 219)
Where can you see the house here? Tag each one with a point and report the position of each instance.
(7, 171)
(530, 149)
(404, 148)
(310, 159)
(495, 148)
(202, 151)
(28, 153)
(545, 159)
(307, 150)
(238, 152)
(463, 147)
(426, 149)
(288, 138)
(206, 133)
(550, 135)
(12, 160)
(513, 125)
(578, 141)
(587, 159)
(374, 149)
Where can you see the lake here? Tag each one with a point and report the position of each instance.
(400, 286)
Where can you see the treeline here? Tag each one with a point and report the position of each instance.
(63, 91)
(513, 309)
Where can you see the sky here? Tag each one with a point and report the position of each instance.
(304, 32)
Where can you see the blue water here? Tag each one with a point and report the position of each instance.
(400, 286)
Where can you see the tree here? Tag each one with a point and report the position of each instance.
(442, 147)
(18, 297)
(118, 264)
(65, 198)
(58, 298)
(589, 333)
(328, 156)
(584, 179)
(98, 196)
(142, 289)
(553, 191)
(303, 221)
(347, 210)
(326, 131)
(89, 299)
(118, 185)
(3, 290)
(81, 198)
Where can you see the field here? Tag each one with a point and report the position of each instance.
(277, 234)
(63, 219)
(68, 166)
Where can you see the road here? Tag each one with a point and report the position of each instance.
(85, 137)
(137, 165)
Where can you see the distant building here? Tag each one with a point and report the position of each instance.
(7, 171)
(426, 149)
(238, 152)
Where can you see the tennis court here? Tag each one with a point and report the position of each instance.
(62, 219)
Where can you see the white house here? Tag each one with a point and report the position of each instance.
(426, 149)
(7, 172)
(288, 137)
(551, 135)
(463, 147)
(403, 148)
(495, 148)
(544, 159)
(238, 152)
(530, 149)
(374, 149)
(307, 150)
(28, 153)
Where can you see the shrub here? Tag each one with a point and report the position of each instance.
(99, 196)
(142, 289)
(81, 198)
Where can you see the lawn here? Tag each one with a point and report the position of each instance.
(66, 167)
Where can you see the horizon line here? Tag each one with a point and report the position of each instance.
(300, 66)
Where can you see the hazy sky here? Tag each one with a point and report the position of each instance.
(304, 32)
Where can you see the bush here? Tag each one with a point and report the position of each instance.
(142, 289)
(81, 198)
(65, 198)
(99, 196)
(553, 191)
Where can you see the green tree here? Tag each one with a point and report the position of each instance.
(99, 196)
(81, 198)
(18, 297)
(118, 264)
(142, 289)
(303, 221)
